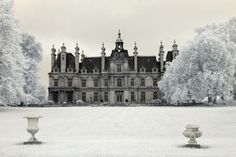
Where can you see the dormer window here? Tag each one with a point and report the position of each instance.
(143, 70)
(56, 70)
(95, 70)
(83, 71)
(154, 69)
(70, 69)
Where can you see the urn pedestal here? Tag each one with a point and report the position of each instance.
(33, 128)
(192, 132)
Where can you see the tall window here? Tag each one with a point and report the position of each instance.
(143, 97)
(132, 97)
(55, 82)
(105, 96)
(106, 82)
(69, 82)
(154, 82)
(83, 83)
(84, 97)
(142, 82)
(155, 95)
(119, 82)
(95, 81)
(96, 97)
(119, 96)
(118, 67)
(132, 82)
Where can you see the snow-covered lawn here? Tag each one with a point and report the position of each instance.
(119, 132)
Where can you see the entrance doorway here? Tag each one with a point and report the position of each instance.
(119, 97)
(70, 97)
(55, 97)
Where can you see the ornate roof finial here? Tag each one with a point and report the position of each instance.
(175, 45)
(119, 37)
(135, 47)
(77, 48)
(63, 48)
(161, 47)
(53, 49)
(103, 48)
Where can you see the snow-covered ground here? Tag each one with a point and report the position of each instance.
(119, 132)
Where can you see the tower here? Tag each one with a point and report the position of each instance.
(103, 57)
(135, 57)
(63, 58)
(175, 50)
(82, 56)
(119, 42)
(161, 57)
(53, 56)
(77, 58)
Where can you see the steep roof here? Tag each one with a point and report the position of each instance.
(148, 62)
(90, 63)
(70, 61)
(169, 56)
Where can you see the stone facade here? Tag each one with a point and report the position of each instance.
(115, 79)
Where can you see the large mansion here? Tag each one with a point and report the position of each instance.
(115, 79)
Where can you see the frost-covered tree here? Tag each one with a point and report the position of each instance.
(32, 52)
(205, 67)
(11, 59)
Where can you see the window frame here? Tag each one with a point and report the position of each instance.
(155, 82)
(142, 84)
(70, 83)
(119, 69)
(95, 83)
(106, 83)
(132, 96)
(84, 83)
(143, 96)
(132, 82)
(106, 97)
(95, 96)
(55, 83)
(84, 96)
(119, 82)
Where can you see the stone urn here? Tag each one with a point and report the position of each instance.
(192, 132)
(33, 128)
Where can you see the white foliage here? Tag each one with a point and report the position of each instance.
(205, 67)
(19, 57)
(11, 59)
(33, 53)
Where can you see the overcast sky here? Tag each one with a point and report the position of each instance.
(91, 22)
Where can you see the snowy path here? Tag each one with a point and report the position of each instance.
(119, 132)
